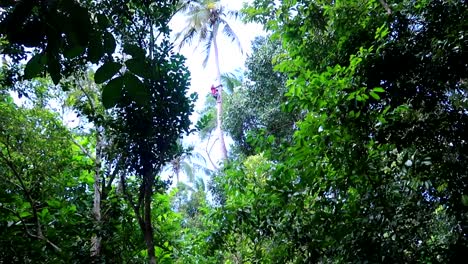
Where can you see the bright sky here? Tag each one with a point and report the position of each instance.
(230, 59)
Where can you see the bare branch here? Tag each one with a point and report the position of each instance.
(386, 7)
(208, 152)
(85, 151)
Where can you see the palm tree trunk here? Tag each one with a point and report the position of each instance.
(219, 102)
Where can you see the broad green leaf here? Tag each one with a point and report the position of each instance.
(34, 67)
(43, 213)
(465, 200)
(103, 22)
(135, 51)
(139, 67)
(112, 92)
(374, 95)
(136, 89)
(79, 24)
(378, 90)
(73, 51)
(109, 43)
(54, 203)
(95, 48)
(25, 214)
(54, 68)
(106, 71)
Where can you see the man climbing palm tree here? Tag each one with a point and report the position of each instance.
(205, 18)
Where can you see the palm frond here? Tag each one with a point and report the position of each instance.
(198, 18)
(187, 38)
(231, 81)
(203, 34)
(199, 157)
(208, 44)
(200, 184)
(184, 6)
(234, 14)
(185, 187)
(227, 30)
(188, 170)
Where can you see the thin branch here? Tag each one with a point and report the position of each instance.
(85, 151)
(386, 7)
(28, 232)
(88, 97)
(130, 199)
(40, 234)
(208, 152)
(113, 174)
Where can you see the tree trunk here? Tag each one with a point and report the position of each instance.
(96, 239)
(219, 102)
(148, 228)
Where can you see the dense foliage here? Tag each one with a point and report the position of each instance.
(376, 171)
(349, 130)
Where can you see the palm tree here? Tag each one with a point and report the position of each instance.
(205, 19)
(183, 162)
(231, 82)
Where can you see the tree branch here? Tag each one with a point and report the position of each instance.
(130, 199)
(40, 234)
(28, 232)
(85, 151)
(208, 152)
(91, 103)
(386, 7)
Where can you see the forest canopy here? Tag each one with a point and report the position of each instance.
(348, 124)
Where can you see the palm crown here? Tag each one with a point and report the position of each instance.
(204, 20)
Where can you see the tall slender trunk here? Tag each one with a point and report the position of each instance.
(147, 224)
(219, 101)
(96, 239)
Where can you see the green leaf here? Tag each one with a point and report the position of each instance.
(465, 200)
(139, 67)
(109, 43)
(106, 71)
(34, 67)
(136, 89)
(95, 48)
(54, 203)
(351, 96)
(79, 26)
(42, 214)
(25, 214)
(135, 51)
(112, 92)
(73, 51)
(103, 22)
(378, 90)
(374, 95)
(53, 67)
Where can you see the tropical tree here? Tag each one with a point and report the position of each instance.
(253, 107)
(231, 81)
(205, 19)
(43, 189)
(186, 161)
(144, 86)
